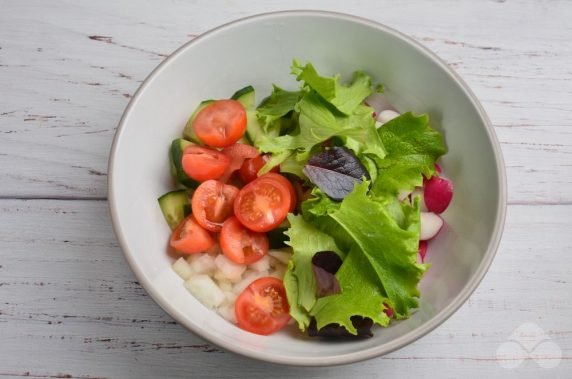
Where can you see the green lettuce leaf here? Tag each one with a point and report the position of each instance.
(306, 240)
(381, 236)
(390, 248)
(344, 98)
(412, 148)
(318, 123)
(277, 105)
(361, 295)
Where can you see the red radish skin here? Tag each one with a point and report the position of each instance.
(388, 310)
(431, 224)
(438, 194)
(422, 250)
(438, 168)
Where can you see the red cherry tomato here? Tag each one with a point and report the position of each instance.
(262, 308)
(250, 168)
(202, 163)
(237, 153)
(212, 204)
(288, 184)
(221, 123)
(263, 204)
(191, 238)
(240, 244)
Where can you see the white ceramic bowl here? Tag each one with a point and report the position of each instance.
(258, 51)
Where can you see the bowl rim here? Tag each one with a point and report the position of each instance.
(344, 358)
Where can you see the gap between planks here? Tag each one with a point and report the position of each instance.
(96, 198)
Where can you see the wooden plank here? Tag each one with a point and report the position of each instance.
(71, 306)
(69, 69)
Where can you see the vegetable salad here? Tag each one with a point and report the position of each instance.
(316, 205)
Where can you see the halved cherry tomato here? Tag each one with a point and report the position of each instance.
(202, 163)
(263, 203)
(212, 204)
(242, 245)
(262, 308)
(220, 123)
(249, 170)
(237, 153)
(191, 238)
(288, 184)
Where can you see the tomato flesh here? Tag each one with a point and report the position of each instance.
(202, 163)
(288, 184)
(240, 244)
(212, 204)
(221, 123)
(263, 204)
(190, 238)
(237, 153)
(250, 168)
(262, 308)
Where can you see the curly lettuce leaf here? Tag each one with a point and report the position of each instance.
(344, 98)
(306, 240)
(277, 105)
(361, 295)
(412, 148)
(318, 123)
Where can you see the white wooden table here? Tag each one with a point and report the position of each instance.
(69, 304)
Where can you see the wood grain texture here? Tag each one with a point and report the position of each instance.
(69, 305)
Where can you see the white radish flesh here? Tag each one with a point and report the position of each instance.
(263, 264)
(205, 290)
(438, 194)
(204, 264)
(182, 268)
(403, 194)
(232, 271)
(283, 255)
(431, 224)
(386, 116)
(378, 102)
(418, 191)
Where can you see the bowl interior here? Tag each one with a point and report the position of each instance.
(258, 51)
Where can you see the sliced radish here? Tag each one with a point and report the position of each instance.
(403, 194)
(422, 250)
(378, 102)
(386, 116)
(438, 194)
(431, 224)
(230, 270)
(388, 310)
(203, 264)
(418, 191)
(182, 268)
(205, 290)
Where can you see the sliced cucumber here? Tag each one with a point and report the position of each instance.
(246, 96)
(175, 207)
(176, 155)
(189, 133)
